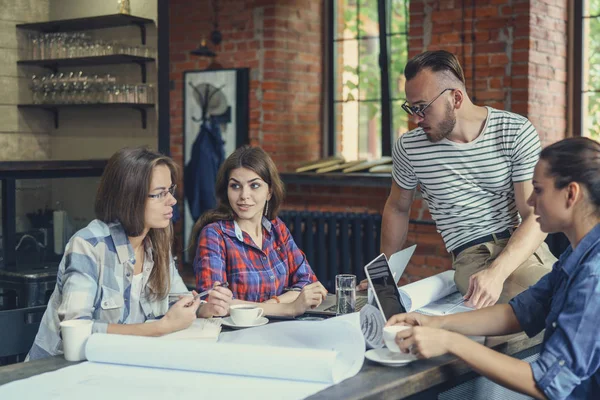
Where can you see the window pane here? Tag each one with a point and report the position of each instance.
(591, 58)
(369, 130)
(346, 122)
(592, 7)
(346, 70)
(397, 22)
(398, 58)
(399, 120)
(368, 19)
(345, 15)
(592, 119)
(369, 74)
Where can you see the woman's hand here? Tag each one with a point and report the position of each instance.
(180, 315)
(424, 342)
(311, 296)
(414, 319)
(217, 304)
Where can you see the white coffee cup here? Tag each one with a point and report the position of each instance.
(75, 334)
(389, 336)
(245, 314)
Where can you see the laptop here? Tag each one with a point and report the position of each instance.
(398, 263)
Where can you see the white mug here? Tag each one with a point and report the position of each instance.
(75, 334)
(389, 336)
(245, 314)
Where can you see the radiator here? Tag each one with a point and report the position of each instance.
(335, 243)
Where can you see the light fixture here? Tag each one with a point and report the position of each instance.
(203, 50)
(215, 36)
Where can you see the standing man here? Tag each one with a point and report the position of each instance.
(474, 166)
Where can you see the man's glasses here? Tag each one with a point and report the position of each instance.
(163, 195)
(420, 110)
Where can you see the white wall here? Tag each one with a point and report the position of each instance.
(98, 133)
(24, 135)
(95, 133)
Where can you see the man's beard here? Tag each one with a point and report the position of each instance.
(445, 127)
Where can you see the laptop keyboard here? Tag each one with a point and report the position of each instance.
(360, 302)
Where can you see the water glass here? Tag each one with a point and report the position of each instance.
(345, 292)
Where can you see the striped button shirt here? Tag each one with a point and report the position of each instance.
(94, 283)
(226, 253)
(469, 187)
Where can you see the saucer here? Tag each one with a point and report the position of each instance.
(227, 321)
(391, 359)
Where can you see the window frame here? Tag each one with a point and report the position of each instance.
(330, 137)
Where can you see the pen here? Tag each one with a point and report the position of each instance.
(454, 306)
(201, 294)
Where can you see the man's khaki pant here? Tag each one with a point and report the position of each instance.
(481, 256)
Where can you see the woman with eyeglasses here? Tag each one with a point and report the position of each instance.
(118, 271)
(565, 302)
(244, 243)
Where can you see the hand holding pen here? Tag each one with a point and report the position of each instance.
(217, 303)
(201, 294)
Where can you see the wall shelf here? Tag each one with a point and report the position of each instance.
(51, 169)
(54, 108)
(81, 24)
(56, 63)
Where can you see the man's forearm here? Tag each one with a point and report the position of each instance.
(394, 228)
(523, 242)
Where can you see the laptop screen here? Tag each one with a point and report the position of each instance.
(384, 287)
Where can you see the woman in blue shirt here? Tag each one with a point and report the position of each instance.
(565, 302)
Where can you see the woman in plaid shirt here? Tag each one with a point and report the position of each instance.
(244, 243)
(118, 271)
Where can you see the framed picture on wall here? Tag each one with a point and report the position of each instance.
(215, 123)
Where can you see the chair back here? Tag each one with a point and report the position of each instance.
(18, 329)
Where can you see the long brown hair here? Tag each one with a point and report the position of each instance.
(252, 158)
(122, 197)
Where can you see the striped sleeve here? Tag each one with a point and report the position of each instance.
(403, 172)
(525, 152)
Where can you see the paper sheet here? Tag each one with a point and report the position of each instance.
(420, 293)
(286, 360)
(201, 328)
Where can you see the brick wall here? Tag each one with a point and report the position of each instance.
(280, 41)
(513, 53)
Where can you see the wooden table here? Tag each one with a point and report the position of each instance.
(420, 379)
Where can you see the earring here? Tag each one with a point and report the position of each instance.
(267, 208)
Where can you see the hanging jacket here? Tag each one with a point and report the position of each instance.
(200, 173)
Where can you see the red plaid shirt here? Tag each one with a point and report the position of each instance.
(226, 253)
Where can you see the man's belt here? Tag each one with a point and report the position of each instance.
(484, 239)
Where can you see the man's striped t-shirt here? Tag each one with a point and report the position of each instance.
(469, 186)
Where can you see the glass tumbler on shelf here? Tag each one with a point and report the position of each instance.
(141, 93)
(123, 7)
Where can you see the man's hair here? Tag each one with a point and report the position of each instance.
(436, 61)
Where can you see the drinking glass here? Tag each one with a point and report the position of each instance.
(345, 292)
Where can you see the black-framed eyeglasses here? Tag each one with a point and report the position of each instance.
(163, 195)
(420, 110)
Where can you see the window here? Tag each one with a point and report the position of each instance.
(365, 96)
(587, 69)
